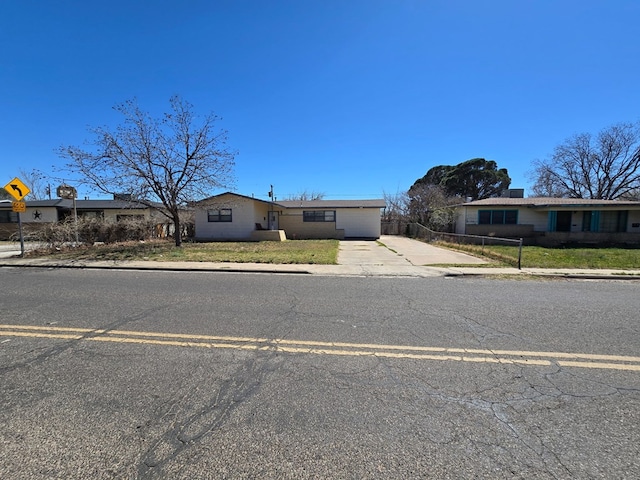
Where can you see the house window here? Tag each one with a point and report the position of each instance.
(133, 218)
(7, 216)
(613, 221)
(498, 217)
(219, 215)
(319, 215)
(91, 214)
(605, 221)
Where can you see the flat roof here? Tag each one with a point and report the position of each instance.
(376, 203)
(541, 202)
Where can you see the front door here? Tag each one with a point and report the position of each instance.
(273, 221)
(563, 222)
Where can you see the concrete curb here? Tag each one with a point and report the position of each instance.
(320, 270)
(593, 275)
(143, 265)
(185, 268)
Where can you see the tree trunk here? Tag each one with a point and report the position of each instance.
(177, 234)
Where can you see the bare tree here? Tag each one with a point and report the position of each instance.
(306, 196)
(395, 216)
(430, 206)
(632, 195)
(606, 166)
(173, 160)
(397, 209)
(38, 183)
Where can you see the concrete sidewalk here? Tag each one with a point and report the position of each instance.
(431, 257)
(390, 257)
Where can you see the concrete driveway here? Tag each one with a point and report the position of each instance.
(12, 249)
(399, 251)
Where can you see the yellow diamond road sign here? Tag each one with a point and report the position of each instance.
(17, 189)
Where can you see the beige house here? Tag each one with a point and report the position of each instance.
(230, 216)
(553, 221)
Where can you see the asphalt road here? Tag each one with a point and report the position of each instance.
(109, 374)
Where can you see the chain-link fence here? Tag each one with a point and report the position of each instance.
(512, 255)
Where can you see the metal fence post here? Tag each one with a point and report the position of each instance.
(520, 255)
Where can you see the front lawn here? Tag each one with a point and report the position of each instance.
(539, 257)
(324, 252)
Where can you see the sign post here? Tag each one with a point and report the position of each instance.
(18, 190)
(21, 235)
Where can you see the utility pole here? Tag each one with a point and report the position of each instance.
(270, 222)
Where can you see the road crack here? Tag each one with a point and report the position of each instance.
(189, 427)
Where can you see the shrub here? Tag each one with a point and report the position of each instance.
(92, 230)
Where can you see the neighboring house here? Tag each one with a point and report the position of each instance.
(553, 221)
(230, 216)
(41, 212)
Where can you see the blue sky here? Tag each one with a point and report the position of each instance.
(352, 98)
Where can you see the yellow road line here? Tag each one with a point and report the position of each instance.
(325, 348)
(50, 328)
(41, 335)
(611, 366)
(176, 343)
(515, 353)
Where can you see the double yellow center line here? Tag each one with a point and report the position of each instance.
(526, 358)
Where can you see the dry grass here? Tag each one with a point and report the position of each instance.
(323, 252)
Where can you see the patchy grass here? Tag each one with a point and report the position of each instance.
(322, 252)
(539, 257)
(385, 246)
